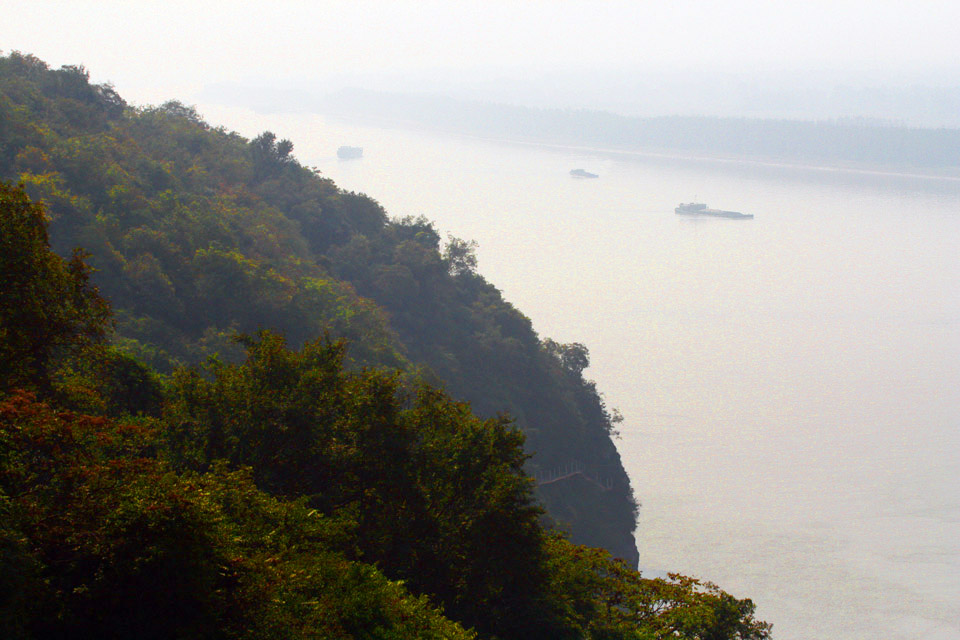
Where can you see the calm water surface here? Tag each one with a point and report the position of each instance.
(791, 384)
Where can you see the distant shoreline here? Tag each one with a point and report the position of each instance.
(668, 155)
(878, 171)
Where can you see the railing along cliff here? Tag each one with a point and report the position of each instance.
(567, 471)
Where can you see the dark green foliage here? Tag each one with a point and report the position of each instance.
(101, 540)
(573, 357)
(108, 381)
(146, 528)
(269, 156)
(439, 496)
(197, 234)
(604, 599)
(48, 306)
(486, 352)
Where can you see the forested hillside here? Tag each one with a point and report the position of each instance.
(197, 234)
(285, 487)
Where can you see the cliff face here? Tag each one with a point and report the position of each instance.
(198, 233)
(591, 510)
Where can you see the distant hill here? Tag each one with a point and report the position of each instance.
(197, 234)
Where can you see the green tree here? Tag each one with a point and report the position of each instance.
(99, 539)
(48, 306)
(270, 155)
(574, 357)
(439, 496)
(460, 256)
(104, 380)
(602, 598)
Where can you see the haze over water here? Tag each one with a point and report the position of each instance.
(791, 384)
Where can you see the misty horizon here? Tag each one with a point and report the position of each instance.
(913, 100)
(818, 60)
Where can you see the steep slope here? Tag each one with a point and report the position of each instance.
(283, 497)
(198, 233)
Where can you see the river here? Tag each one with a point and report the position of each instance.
(790, 384)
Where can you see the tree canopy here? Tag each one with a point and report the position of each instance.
(197, 234)
(48, 306)
(287, 495)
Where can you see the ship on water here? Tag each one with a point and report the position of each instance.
(349, 153)
(700, 209)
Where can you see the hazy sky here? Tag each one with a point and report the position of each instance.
(157, 50)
